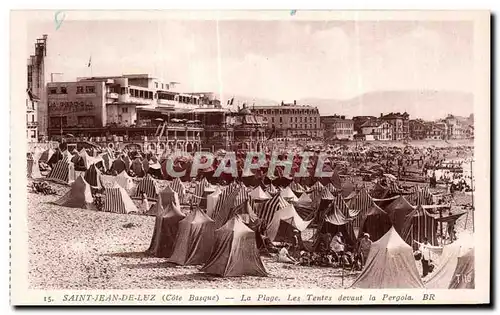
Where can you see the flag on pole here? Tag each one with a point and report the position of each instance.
(90, 62)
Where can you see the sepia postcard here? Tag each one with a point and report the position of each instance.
(250, 157)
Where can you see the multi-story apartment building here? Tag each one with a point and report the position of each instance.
(418, 129)
(36, 87)
(400, 123)
(98, 102)
(435, 131)
(377, 130)
(292, 120)
(337, 127)
(457, 127)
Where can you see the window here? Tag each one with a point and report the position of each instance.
(291, 119)
(281, 120)
(53, 91)
(33, 134)
(156, 84)
(125, 110)
(89, 89)
(32, 118)
(295, 119)
(272, 120)
(63, 90)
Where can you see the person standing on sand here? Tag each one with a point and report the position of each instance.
(145, 203)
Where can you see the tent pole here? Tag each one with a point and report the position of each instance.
(441, 226)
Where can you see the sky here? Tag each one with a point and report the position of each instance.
(268, 59)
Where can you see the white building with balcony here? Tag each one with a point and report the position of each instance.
(31, 116)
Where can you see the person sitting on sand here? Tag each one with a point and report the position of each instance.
(284, 256)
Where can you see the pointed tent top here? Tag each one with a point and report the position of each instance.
(198, 217)
(259, 194)
(304, 199)
(287, 193)
(326, 194)
(375, 210)
(392, 241)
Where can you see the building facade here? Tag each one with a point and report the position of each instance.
(359, 121)
(377, 130)
(292, 120)
(458, 127)
(36, 86)
(337, 127)
(418, 129)
(400, 124)
(435, 131)
(31, 117)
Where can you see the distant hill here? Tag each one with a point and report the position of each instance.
(427, 104)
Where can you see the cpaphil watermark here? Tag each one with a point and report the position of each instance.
(293, 165)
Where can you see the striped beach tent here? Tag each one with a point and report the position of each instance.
(272, 190)
(398, 210)
(107, 160)
(212, 200)
(127, 162)
(332, 188)
(317, 186)
(235, 199)
(148, 186)
(179, 188)
(218, 213)
(124, 180)
(420, 196)
(63, 172)
(296, 188)
(359, 205)
(420, 224)
(199, 189)
(79, 196)
(340, 204)
(93, 177)
(67, 156)
(375, 222)
(117, 200)
(267, 209)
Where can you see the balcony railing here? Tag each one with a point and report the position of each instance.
(32, 124)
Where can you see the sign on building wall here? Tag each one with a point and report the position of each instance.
(66, 107)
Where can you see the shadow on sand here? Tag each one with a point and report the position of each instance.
(198, 276)
(129, 255)
(162, 264)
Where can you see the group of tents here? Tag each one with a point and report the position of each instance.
(222, 231)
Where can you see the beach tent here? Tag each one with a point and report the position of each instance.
(63, 172)
(296, 188)
(304, 207)
(267, 209)
(375, 222)
(322, 200)
(194, 241)
(119, 165)
(219, 212)
(124, 181)
(168, 215)
(317, 186)
(359, 205)
(456, 267)
(179, 188)
(147, 185)
(334, 221)
(398, 210)
(127, 161)
(212, 200)
(288, 195)
(199, 190)
(235, 252)
(420, 224)
(272, 190)
(390, 265)
(420, 196)
(79, 196)
(248, 215)
(145, 165)
(233, 200)
(46, 155)
(107, 159)
(259, 195)
(93, 177)
(137, 167)
(117, 200)
(283, 223)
